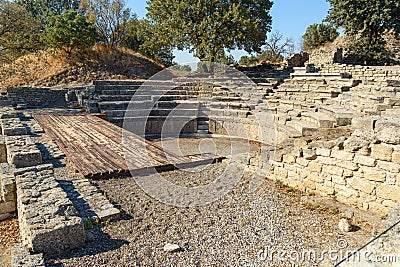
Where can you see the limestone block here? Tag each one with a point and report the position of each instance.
(309, 154)
(3, 150)
(388, 166)
(25, 158)
(326, 160)
(324, 190)
(342, 155)
(378, 208)
(309, 184)
(314, 166)
(362, 185)
(390, 192)
(325, 152)
(316, 177)
(47, 218)
(364, 160)
(396, 156)
(345, 191)
(364, 123)
(373, 174)
(290, 159)
(333, 170)
(348, 165)
(338, 180)
(302, 161)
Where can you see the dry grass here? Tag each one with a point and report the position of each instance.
(9, 233)
(51, 68)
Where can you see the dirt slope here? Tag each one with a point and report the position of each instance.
(50, 68)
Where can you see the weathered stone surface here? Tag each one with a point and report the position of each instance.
(323, 152)
(373, 174)
(364, 160)
(48, 220)
(3, 150)
(382, 152)
(362, 185)
(344, 225)
(390, 192)
(21, 257)
(309, 154)
(22, 152)
(342, 155)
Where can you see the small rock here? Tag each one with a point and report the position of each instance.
(344, 225)
(172, 247)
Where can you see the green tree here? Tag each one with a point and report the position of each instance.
(142, 38)
(367, 21)
(110, 18)
(69, 31)
(249, 60)
(317, 35)
(210, 27)
(371, 18)
(19, 32)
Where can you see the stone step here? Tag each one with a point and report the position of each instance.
(323, 120)
(285, 132)
(305, 128)
(113, 105)
(202, 127)
(151, 112)
(124, 98)
(22, 151)
(342, 115)
(48, 220)
(88, 201)
(119, 92)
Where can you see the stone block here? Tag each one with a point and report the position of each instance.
(382, 151)
(364, 123)
(325, 152)
(362, 185)
(342, 155)
(302, 161)
(309, 184)
(309, 154)
(388, 166)
(373, 174)
(338, 180)
(314, 166)
(48, 220)
(333, 170)
(390, 192)
(364, 160)
(345, 191)
(3, 150)
(290, 159)
(324, 190)
(348, 165)
(7, 207)
(326, 160)
(396, 156)
(25, 158)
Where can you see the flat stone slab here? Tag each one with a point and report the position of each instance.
(47, 218)
(22, 151)
(88, 201)
(12, 127)
(21, 257)
(7, 190)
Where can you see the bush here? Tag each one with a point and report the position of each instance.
(317, 35)
(362, 51)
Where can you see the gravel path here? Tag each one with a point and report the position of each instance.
(229, 232)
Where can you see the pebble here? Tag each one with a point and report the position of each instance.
(172, 247)
(344, 225)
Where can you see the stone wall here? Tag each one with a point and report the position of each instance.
(321, 57)
(35, 97)
(368, 74)
(362, 170)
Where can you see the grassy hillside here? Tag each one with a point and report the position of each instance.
(50, 68)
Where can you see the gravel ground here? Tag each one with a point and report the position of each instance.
(231, 231)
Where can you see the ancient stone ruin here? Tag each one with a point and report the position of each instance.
(335, 133)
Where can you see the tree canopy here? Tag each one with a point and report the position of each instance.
(317, 35)
(369, 17)
(210, 27)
